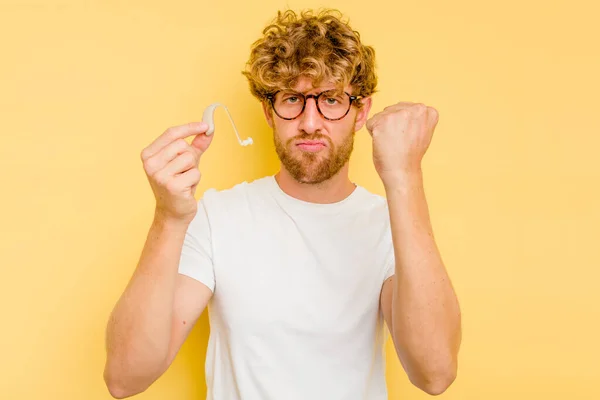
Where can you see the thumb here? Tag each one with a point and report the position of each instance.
(201, 142)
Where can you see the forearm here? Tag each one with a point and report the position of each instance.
(139, 329)
(425, 311)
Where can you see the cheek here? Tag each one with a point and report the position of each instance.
(284, 132)
(343, 131)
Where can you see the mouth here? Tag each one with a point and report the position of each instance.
(311, 145)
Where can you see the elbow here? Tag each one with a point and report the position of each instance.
(118, 390)
(437, 383)
(438, 386)
(121, 386)
(118, 393)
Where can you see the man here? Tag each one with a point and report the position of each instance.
(300, 270)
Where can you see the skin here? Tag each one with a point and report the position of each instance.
(157, 310)
(338, 135)
(419, 304)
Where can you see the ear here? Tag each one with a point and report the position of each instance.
(268, 113)
(363, 113)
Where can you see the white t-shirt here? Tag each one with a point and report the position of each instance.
(296, 287)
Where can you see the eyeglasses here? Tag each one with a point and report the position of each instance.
(333, 105)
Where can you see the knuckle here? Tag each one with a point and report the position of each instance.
(160, 179)
(188, 158)
(172, 186)
(405, 112)
(149, 165)
(195, 174)
(144, 154)
(419, 108)
(171, 132)
(181, 143)
(178, 147)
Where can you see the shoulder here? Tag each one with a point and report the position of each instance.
(230, 199)
(372, 202)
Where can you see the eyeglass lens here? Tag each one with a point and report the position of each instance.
(333, 104)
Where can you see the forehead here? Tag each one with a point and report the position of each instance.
(305, 85)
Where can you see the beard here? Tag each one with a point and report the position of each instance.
(314, 168)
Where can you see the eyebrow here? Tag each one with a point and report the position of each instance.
(306, 92)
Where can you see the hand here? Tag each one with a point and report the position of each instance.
(401, 136)
(171, 165)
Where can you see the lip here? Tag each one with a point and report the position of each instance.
(311, 142)
(311, 145)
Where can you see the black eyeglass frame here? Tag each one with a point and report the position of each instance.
(271, 98)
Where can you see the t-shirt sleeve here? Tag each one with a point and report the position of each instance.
(196, 255)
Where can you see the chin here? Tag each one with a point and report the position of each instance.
(312, 174)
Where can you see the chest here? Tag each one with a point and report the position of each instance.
(306, 276)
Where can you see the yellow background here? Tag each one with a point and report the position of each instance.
(512, 174)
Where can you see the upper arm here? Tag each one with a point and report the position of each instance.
(195, 281)
(190, 299)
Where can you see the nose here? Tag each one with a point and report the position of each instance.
(310, 120)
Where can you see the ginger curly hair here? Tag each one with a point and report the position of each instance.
(321, 47)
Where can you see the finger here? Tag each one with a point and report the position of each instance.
(371, 124)
(166, 155)
(432, 117)
(181, 163)
(189, 178)
(172, 134)
(201, 142)
(399, 106)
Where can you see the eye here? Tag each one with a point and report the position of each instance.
(332, 98)
(290, 98)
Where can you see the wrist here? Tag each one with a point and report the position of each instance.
(402, 178)
(166, 222)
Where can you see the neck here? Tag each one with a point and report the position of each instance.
(333, 190)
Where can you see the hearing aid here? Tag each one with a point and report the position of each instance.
(208, 117)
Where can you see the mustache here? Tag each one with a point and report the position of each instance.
(314, 136)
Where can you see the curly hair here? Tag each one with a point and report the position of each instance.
(321, 47)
